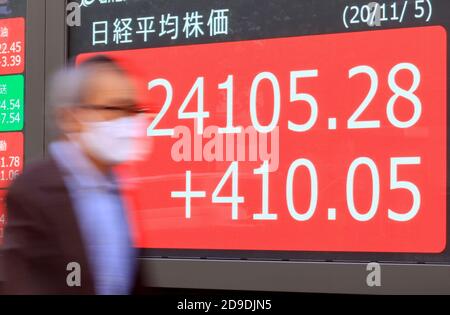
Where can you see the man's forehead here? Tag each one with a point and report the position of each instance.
(110, 84)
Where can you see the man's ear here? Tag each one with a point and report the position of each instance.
(66, 120)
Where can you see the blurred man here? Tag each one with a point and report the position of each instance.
(66, 218)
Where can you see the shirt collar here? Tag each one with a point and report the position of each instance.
(70, 157)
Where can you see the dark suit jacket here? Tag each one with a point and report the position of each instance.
(42, 236)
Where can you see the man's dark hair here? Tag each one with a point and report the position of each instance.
(102, 60)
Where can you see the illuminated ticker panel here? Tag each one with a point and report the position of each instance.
(285, 129)
(12, 95)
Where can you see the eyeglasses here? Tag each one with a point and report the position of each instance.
(129, 109)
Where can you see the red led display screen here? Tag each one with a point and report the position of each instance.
(12, 45)
(311, 143)
(11, 157)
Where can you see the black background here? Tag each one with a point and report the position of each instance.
(16, 8)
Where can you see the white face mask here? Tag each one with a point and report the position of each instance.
(115, 141)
